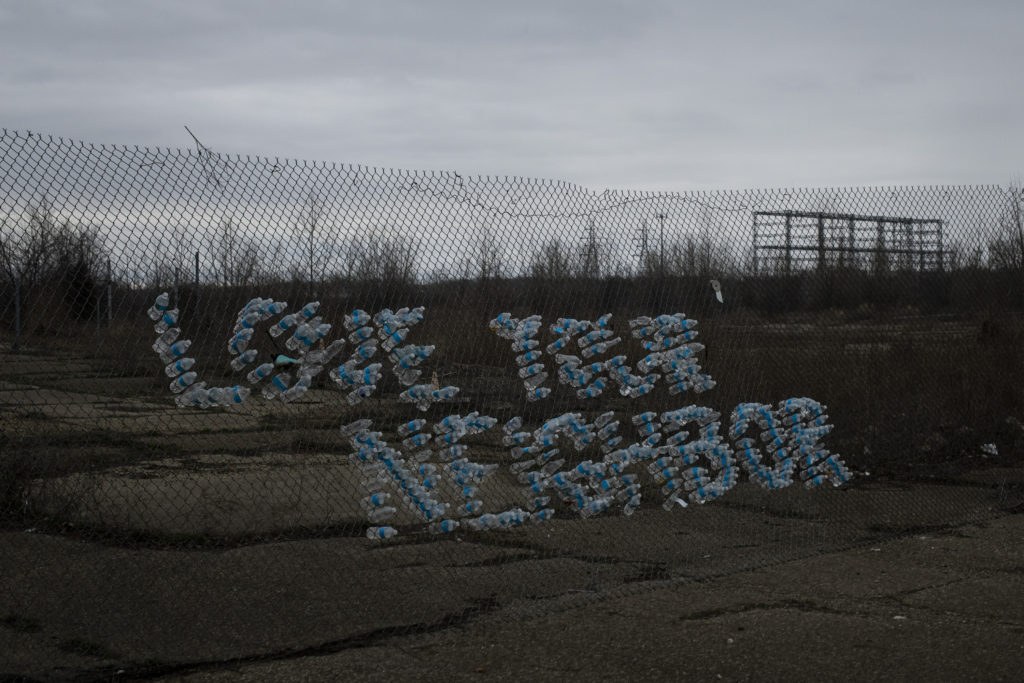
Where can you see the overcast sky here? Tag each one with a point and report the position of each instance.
(660, 95)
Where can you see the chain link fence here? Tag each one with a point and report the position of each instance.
(387, 401)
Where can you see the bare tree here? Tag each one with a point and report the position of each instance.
(1006, 249)
(484, 262)
(235, 255)
(551, 262)
(319, 246)
(384, 260)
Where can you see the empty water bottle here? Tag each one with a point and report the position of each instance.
(235, 394)
(535, 381)
(247, 321)
(366, 350)
(284, 324)
(379, 514)
(538, 394)
(296, 392)
(175, 351)
(599, 348)
(164, 341)
(360, 393)
(417, 440)
(321, 356)
(408, 376)
(244, 359)
(558, 345)
(168, 320)
(309, 310)
(238, 343)
(471, 507)
(542, 515)
(356, 319)
(278, 385)
(394, 339)
(159, 306)
(531, 370)
(272, 308)
(381, 533)
(182, 382)
(260, 373)
(179, 366)
(444, 393)
(593, 391)
(196, 396)
(361, 334)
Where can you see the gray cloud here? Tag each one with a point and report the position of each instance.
(654, 95)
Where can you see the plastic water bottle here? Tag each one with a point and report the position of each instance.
(444, 526)
(599, 348)
(379, 514)
(244, 359)
(374, 500)
(381, 533)
(444, 393)
(168, 320)
(238, 343)
(182, 382)
(593, 391)
(164, 341)
(371, 374)
(260, 373)
(196, 396)
(361, 334)
(471, 507)
(296, 392)
(278, 385)
(366, 350)
(159, 306)
(358, 318)
(407, 377)
(535, 381)
(345, 374)
(528, 358)
(223, 396)
(179, 366)
(557, 345)
(360, 393)
(531, 370)
(272, 308)
(524, 345)
(538, 394)
(247, 321)
(301, 338)
(642, 390)
(417, 440)
(320, 356)
(410, 427)
(175, 351)
(415, 393)
(284, 324)
(319, 332)
(309, 310)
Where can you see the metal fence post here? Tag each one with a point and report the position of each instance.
(110, 297)
(17, 314)
(196, 313)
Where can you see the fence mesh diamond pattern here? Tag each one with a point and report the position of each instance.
(406, 399)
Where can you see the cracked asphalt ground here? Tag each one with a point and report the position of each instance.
(905, 581)
(922, 607)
